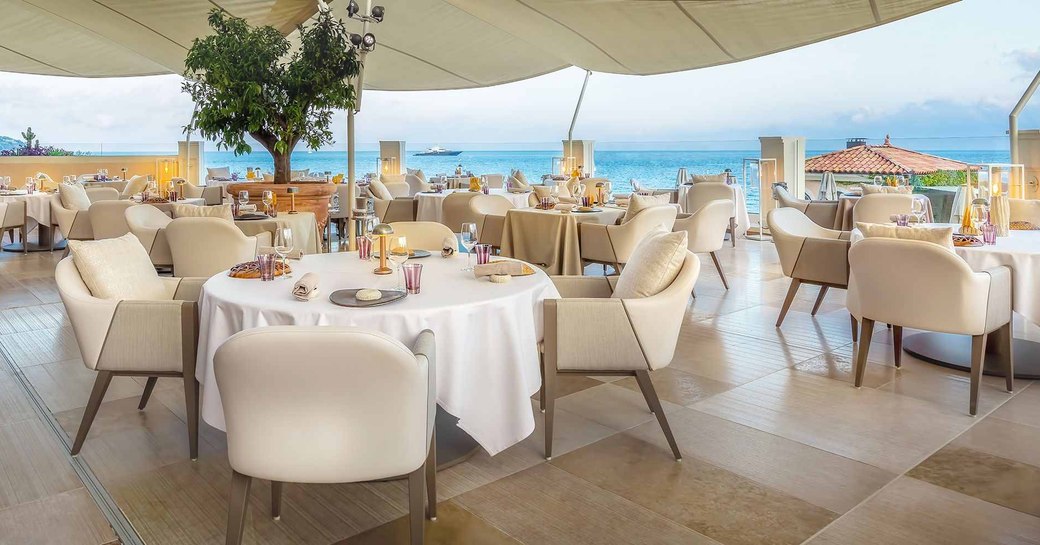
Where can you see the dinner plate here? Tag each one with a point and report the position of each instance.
(418, 254)
(251, 217)
(578, 211)
(348, 298)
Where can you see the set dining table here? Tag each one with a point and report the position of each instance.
(487, 334)
(38, 214)
(304, 226)
(551, 238)
(430, 205)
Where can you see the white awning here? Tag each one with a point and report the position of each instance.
(445, 44)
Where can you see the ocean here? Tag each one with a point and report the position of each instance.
(651, 168)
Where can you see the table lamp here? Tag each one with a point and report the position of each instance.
(382, 231)
(292, 191)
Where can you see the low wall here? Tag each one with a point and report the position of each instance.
(56, 167)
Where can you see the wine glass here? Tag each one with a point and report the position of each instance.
(267, 197)
(398, 255)
(917, 209)
(283, 246)
(243, 198)
(469, 240)
(979, 216)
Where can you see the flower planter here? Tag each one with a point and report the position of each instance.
(312, 196)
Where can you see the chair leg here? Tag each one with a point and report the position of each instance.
(97, 395)
(191, 408)
(795, 283)
(654, 402)
(416, 491)
(866, 332)
(1008, 341)
(541, 392)
(238, 501)
(431, 478)
(276, 500)
(978, 358)
(733, 231)
(855, 329)
(819, 299)
(897, 345)
(147, 394)
(548, 387)
(718, 267)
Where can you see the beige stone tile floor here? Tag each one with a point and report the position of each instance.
(778, 447)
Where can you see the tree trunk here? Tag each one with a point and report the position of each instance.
(282, 167)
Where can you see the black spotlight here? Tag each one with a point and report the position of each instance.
(356, 39)
(377, 13)
(353, 8)
(369, 40)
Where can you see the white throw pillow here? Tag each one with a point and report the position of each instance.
(218, 173)
(943, 236)
(117, 268)
(73, 196)
(653, 266)
(710, 178)
(418, 173)
(222, 211)
(639, 203)
(134, 185)
(379, 191)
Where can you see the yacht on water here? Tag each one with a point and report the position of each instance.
(437, 150)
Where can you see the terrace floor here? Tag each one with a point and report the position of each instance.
(779, 448)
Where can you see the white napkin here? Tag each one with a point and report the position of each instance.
(564, 207)
(306, 288)
(499, 268)
(449, 246)
(247, 208)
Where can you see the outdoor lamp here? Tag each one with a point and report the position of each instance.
(382, 231)
(292, 191)
(352, 9)
(369, 41)
(377, 13)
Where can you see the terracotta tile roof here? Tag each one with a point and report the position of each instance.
(885, 159)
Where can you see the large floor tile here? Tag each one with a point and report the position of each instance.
(14, 404)
(15, 320)
(69, 518)
(884, 429)
(14, 294)
(32, 465)
(1011, 440)
(713, 501)
(67, 385)
(821, 332)
(454, 525)
(732, 358)
(1023, 408)
(912, 511)
(545, 505)
(985, 476)
(611, 406)
(41, 346)
(677, 386)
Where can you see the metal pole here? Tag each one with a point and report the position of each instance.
(574, 119)
(351, 170)
(1013, 118)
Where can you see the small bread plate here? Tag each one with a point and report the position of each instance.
(251, 216)
(348, 298)
(583, 210)
(528, 270)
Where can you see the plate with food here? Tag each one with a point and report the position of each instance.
(365, 297)
(412, 254)
(967, 241)
(251, 269)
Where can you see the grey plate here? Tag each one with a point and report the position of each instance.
(576, 211)
(348, 298)
(251, 217)
(419, 254)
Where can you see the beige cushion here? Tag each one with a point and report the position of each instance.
(418, 173)
(870, 189)
(134, 185)
(639, 202)
(222, 211)
(943, 236)
(73, 196)
(653, 265)
(221, 172)
(379, 190)
(700, 178)
(117, 268)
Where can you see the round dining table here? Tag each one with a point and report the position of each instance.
(429, 205)
(487, 335)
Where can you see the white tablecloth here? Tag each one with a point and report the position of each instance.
(740, 210)
(37, 206)
(487, 334)
(430, 206)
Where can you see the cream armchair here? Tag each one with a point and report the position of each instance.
(809, 254)
(706, 230)
(495, 181)
(134, 338)
(703, 193)
(613, 244)
(148, 224)
(108, 218)
(359, 407)
(13, 218)
(75, 224)
(943, 294)
(415, 184)
(423, 235)
(211, 194)
(394, 210)
(206, 246)
(1025, 210)
(879, 207)
(490, 211)
(589, 332)
(456, 210)
(822, 213)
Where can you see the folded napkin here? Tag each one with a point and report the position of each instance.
(247, 208)
(499, 268)
(295, 254)
(564, 207)
(306, 287)
(449, 246)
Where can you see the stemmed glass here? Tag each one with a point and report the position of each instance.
(267, 197)
(243, 198)
(283, 246)
(979, 216)
(917, 209)
(398, 255)
(469, 240)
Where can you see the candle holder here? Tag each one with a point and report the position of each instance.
(292, 191)
(382, 231)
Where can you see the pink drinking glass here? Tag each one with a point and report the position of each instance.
(412, 277)
(903, 220)
(483, 253)
(266, 262)
(989, 233)
(364, 247)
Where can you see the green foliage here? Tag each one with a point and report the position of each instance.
(245, 80)
(29, 136)
(942, 178)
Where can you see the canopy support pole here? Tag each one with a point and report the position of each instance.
(359, 85)
(574, 118)
(1013, 118)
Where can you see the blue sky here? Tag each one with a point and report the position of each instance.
(952, 72)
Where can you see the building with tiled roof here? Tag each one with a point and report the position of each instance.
(885, 160)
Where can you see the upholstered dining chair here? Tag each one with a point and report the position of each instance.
(144, 338)
(706, 230)
(108, 218)
(880, 207)
(415, 184)
(699, 195)
(943, 294)
(148, 224)
(423, 235)
(822, 213)
(1025, 210)
(134, 185)
(396, 184)
(12, 219)
(341, 216)
(624, 325)
(360, 407)
(490, 211)
(389, 208)
(74, 223)
(809, 254)
(495, 181)
(455, 210)
(211, 194)
(206, 246)
(613, 244)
